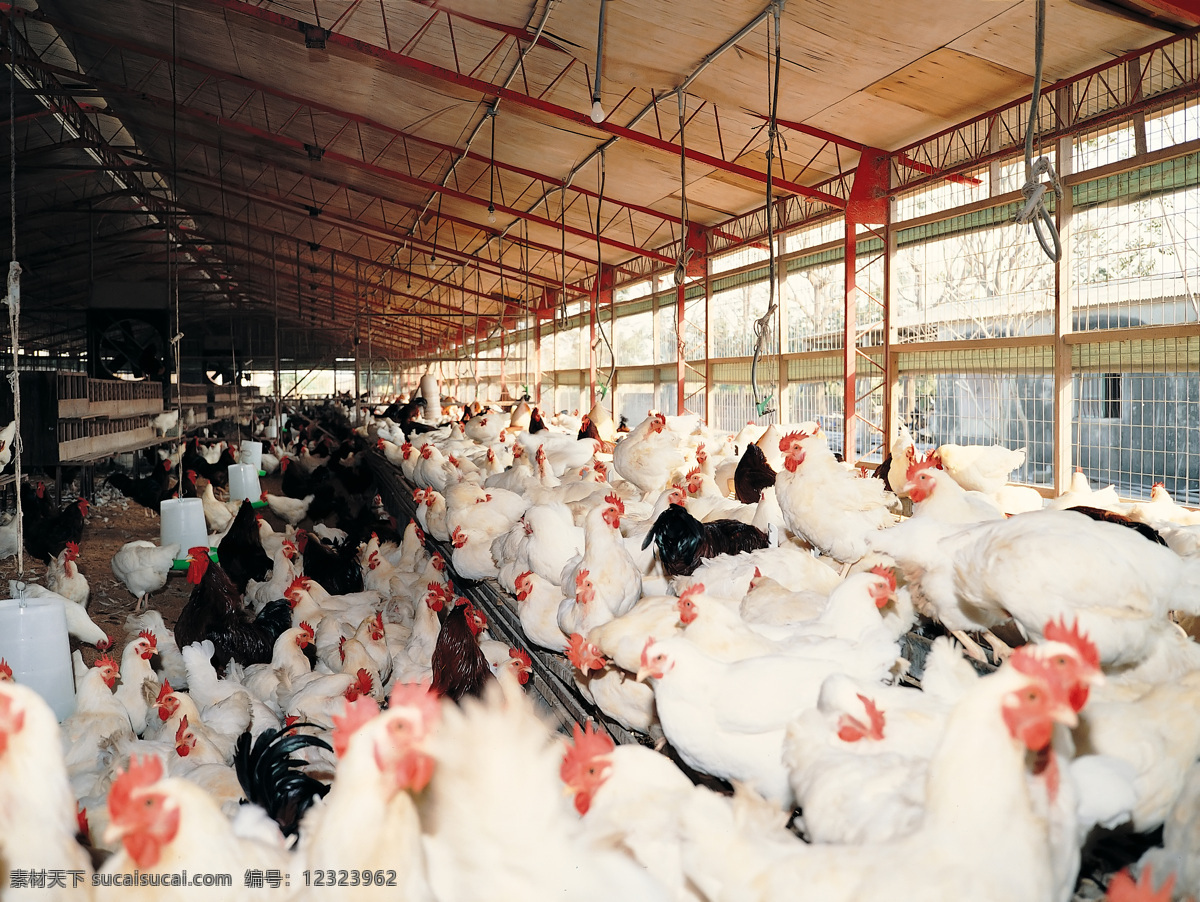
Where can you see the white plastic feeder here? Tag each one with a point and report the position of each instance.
(272, 430)
(251, 453)
(243, 482)
(33, 640)
(183, 523)
(432, 395)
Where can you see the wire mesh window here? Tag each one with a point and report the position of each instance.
(815, 299)
(633, 401)
(1100, 148)
(667, 398)
(567, 349)
(634, 339)
(943, 195)
(732, 316)
(1174, 126)
(1137, 415)
(694, 340)
(667, 340)
(985, 396)
(974, 276)
(1137, 248)
(742, 257)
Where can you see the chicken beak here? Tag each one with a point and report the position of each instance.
(1065, 715)
(113, 833)
(643, 674)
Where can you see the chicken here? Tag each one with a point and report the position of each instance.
(753, 474)
(1180, 852)
(215, 611)
(166, 825)
(289, 660)
(612, 689)
(649, 456)
(935, 494)
(1080, 492)
(216, 515)
(630, 797)
(241, 550)
(290, 510)
(139, 684)
(471, 796)
(729, 576)
(10, 542)
(63, 576)
(1037, 566)
(998, 844)
(149, 491)
(1161, 509)
(683, 542)
(6, 443)
(1123, 888)
(825, 504)
(335, 568)
(903, 454)
(143, 567)
(283, 574)
(979, 468)
(381, 766)
(79, 624)
(99, 718)
(37, 807)
(604, 581)
(563, 452)
(538, 601)
(459, 665)
(271, 778)
(46, 537)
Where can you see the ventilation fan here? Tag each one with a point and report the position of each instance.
(132, 349)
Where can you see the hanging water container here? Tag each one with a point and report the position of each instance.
(251, 453)
(243, 483)
(183, 523)
(432, 395)
(272, 430)
(33, 640)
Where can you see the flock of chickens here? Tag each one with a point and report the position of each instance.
(330, 716)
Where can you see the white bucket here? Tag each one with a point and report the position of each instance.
(272, 430)
(183, 523)
(33, 640)
(251, 453)
(243, 483)
(432, 395)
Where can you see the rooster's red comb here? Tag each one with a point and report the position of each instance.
(1058, 631)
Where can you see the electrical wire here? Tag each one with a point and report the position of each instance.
(762, 325)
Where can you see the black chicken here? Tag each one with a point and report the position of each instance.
(35, 503)
(1099, 513)
(335, 567)
(241, 551)
(752, 475)
(683, 542)
(194, 460)
(215, 611)
(218, 473)
(460, 667)
(149, 491)
(47, 536)
(272, 779)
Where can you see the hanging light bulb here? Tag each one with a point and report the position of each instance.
(492, 213)
(597, 111)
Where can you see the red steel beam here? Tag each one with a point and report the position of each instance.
(488, 89)
(298, 146)
(251, 84)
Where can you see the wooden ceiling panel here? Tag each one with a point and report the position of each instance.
(949, 83)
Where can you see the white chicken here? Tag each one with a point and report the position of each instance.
(649, 456)
(604, 581)
(979, 468)
(143, 567)
(63, 576)
(825, 504)
(290, 510)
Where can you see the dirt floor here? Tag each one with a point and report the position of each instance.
(112, 521)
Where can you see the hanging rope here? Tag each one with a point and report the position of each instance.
(612, 358)
(762, 325)
(1034, 212)
(685, 252)
(13, 299)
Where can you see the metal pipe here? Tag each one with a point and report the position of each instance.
(597, 109)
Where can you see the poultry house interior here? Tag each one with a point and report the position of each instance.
(723, 450)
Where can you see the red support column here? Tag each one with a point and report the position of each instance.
(850, 343)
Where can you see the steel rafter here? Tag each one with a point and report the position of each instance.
(488, 89)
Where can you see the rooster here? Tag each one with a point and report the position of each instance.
(215, 612)
(45, 538)
(683, 541)
(149, 491)
(271, 777)
(336, 568)
(63, 576)
(241, 551)
(460, 667)
(753, 474)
